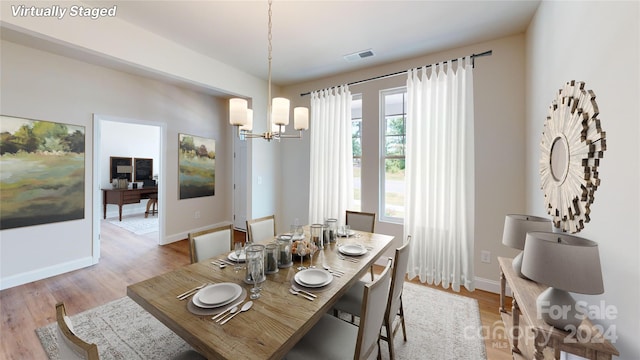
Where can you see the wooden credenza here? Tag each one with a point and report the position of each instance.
(122, 197)
(531, 338)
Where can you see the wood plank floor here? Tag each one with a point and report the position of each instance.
(127, 258)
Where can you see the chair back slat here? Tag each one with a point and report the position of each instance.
(397, 282)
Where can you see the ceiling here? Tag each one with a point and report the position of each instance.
(311, 38)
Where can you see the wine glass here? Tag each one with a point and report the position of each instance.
(237, 248)
(301, 250)
(256, 272)
(311, 251)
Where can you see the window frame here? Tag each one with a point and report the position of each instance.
(382, 151)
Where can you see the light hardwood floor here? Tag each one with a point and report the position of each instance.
(126, 259)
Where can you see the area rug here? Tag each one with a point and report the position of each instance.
(137, 224)
(439, 326)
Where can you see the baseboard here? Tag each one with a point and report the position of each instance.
(490, 286)
(43, 273)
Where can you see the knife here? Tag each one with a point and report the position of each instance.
(228, 309)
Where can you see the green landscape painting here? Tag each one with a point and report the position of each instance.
(41, 172)
(197, 163)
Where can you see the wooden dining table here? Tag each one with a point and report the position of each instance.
(277, 320)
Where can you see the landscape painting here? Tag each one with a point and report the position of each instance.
(42, 171)
(197, 170)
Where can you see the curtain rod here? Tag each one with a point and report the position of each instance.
(473, 56)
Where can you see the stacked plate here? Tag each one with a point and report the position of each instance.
(217, 295)
(343, 233)
(352, 249)
(232, 256)
(313, 278)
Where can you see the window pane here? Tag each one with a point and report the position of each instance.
(356, 128)
(356, 142)
(394, 145)
(395, 125)
(394, 188)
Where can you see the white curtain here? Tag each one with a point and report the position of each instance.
(439, 173)
(331, 189)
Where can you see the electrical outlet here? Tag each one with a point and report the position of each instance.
(485, 256)
(197, 215)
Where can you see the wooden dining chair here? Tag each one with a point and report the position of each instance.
(71, 345)
(332, 338)
(261, 228)
(351, 301)
(208, 243)
(361, 221)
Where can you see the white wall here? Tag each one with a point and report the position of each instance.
(598, 43)
(499, 138)
(40, 85)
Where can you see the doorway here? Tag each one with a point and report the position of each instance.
(126, 138)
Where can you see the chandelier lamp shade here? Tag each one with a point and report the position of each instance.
(278, 110)
(515, 231)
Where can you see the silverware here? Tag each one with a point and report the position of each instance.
(244, 308)
(220, 264)
(226, 311)
(348, 259)
(231, 312)
(188, 293)
(335, 272)
(304, 292)
(294, 292)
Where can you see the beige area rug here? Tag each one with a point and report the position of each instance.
(137, 224)
(439, 326)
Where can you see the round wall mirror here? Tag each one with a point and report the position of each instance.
(571, 148)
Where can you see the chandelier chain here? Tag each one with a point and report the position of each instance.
(270, 49)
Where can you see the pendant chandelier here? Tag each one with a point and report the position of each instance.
(277, 112)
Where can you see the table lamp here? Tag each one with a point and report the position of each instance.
(564, 263)
(515, 230)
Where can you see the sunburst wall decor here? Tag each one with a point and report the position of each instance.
(571, 148)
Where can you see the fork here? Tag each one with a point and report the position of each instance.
(348, 259)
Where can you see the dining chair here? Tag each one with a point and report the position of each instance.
(351, 301)
(261, 228)
(69, 344)
(208, 243)
(361, 221)
(332, 338)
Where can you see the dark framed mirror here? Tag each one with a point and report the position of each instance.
(121, 168)
(143, 168)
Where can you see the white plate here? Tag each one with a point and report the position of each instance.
(352, 249)
(313, 277)
(232, 256)
(217, 295)
(349, 233)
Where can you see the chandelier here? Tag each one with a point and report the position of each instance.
(277, 112)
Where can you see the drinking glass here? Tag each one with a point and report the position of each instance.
(256, 272)
(301, 251)
(237, 248)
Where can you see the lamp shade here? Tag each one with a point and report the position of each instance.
(517, 226)
(300, 118)
(124, 169)
(238, 111)
(280, 111)
(563, 262)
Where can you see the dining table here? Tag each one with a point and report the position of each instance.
(277, 320)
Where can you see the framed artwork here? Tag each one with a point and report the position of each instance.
(143, 169)
(121, 168)
(196, 163)
(43, 172)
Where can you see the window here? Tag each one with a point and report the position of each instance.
(393, 139)
(356, 136)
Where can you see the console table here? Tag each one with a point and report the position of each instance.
(531, 338)
(125, 196)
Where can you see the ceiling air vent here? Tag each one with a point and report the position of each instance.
(359, 55)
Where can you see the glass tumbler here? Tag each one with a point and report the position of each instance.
(317, 236)
(254, 254)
